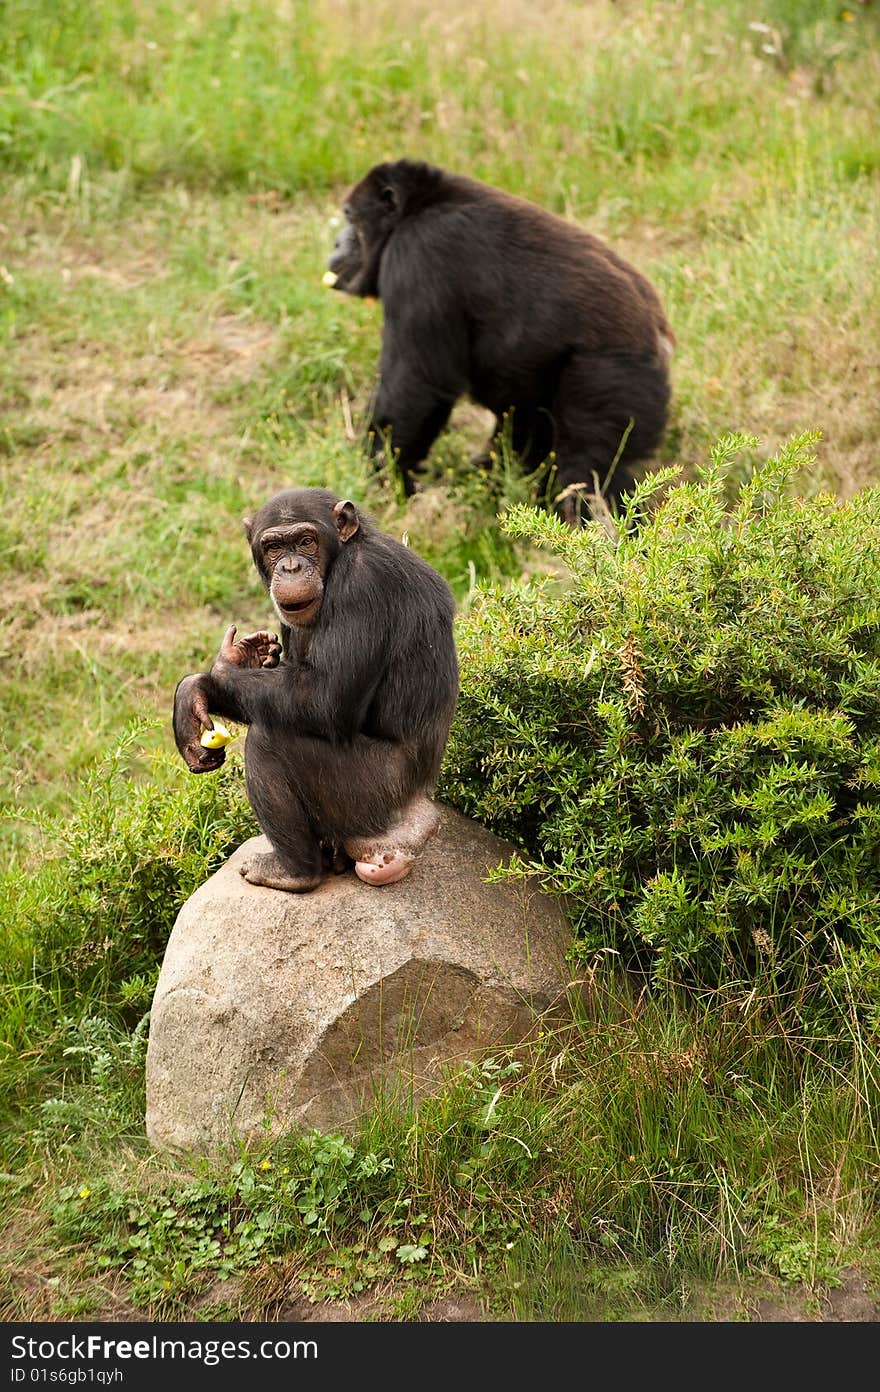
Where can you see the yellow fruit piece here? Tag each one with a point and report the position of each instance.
(329, 278)
(216, 738)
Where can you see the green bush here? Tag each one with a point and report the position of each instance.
(685, 739)
(84, 931)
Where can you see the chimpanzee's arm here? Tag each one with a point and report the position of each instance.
(423, 369)
(193, 701)
(327, 694)
(408, 411)
(197, 697)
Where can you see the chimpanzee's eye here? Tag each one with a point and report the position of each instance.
(309, 544)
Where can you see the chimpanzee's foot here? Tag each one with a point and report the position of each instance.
(389, 868)
(387, 858)
(269, 870)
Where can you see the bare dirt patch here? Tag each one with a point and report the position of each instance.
(97, 399)
(232, 348)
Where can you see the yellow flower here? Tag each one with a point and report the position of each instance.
(265, 1164)
(84, 1192)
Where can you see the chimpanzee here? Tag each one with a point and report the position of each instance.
(487, 294)
(350, 711)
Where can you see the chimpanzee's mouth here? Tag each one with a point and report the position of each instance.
(299, 608)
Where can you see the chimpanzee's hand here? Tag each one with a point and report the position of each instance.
(262, 649)
(190, 719)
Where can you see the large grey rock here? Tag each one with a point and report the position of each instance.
(304, 1008)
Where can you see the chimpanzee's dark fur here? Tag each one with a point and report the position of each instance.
(352, 723)
(486, 294)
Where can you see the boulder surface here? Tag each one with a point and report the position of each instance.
(276, 1011)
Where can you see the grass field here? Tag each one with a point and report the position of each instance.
(169, 358)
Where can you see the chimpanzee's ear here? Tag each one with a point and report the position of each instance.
(248, 524)
(346, 519)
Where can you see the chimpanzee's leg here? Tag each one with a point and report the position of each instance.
(610, 414)
(367, 797)
(391, 854)
(372, 801)
(295, 862)
(409, 410)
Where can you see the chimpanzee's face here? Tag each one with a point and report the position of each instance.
(293, 560)
(295, 538)
(371, 212)
(347, 258)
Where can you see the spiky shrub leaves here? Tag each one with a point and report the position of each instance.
(685, 738)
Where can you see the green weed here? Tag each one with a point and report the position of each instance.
(168, 359)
